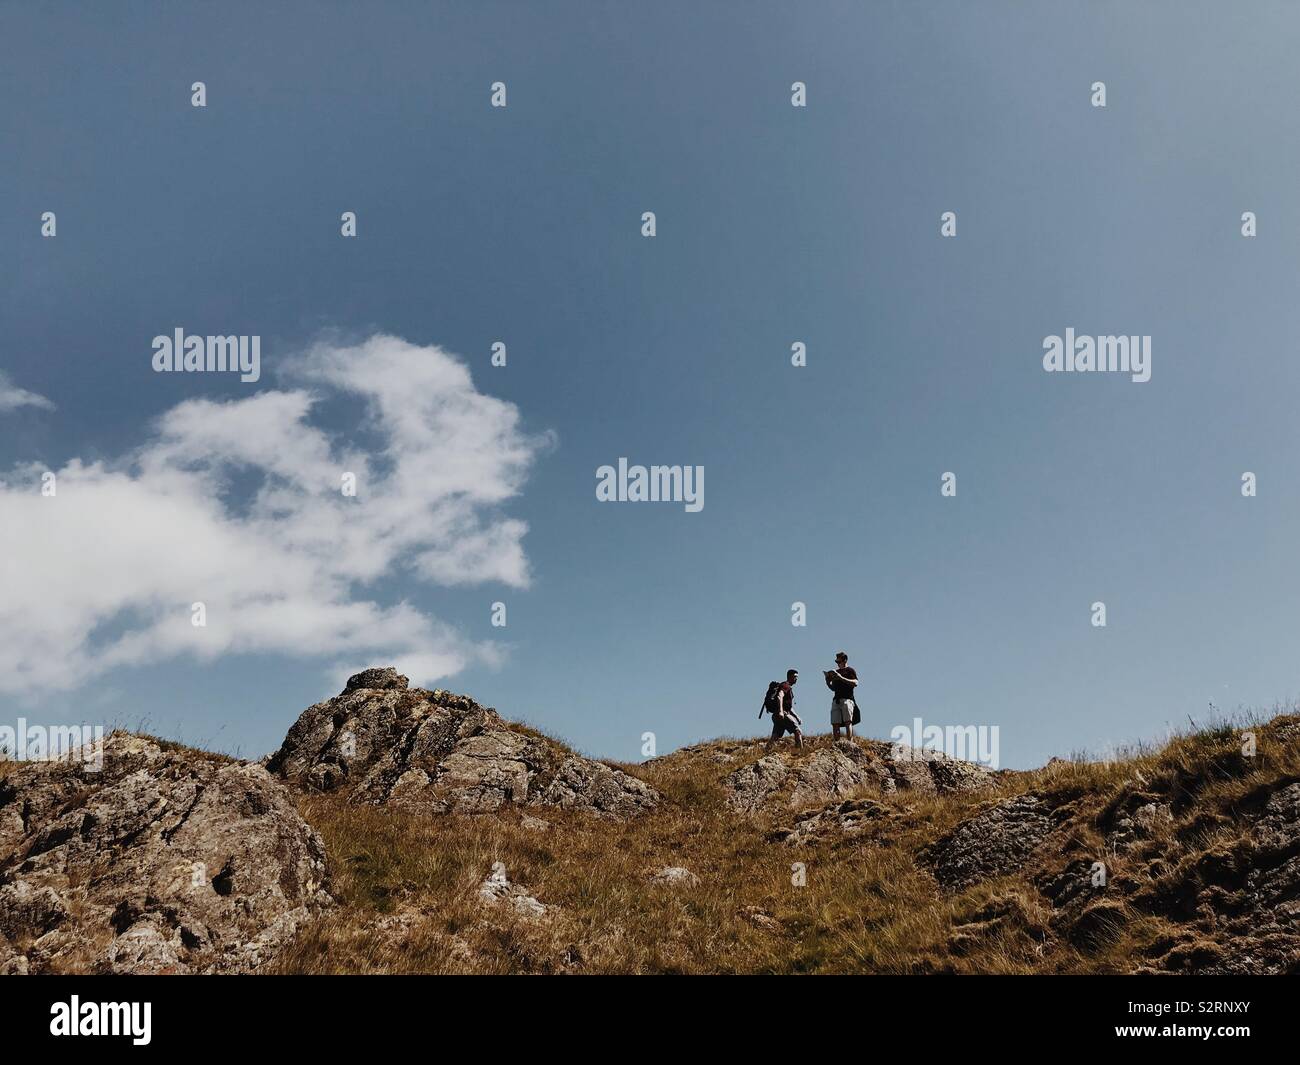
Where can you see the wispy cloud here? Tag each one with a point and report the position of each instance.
(12, 397)
(238, 505)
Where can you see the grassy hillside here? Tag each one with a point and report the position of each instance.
(410, 885)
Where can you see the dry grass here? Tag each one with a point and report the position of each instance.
(409, 903)
(408, 885)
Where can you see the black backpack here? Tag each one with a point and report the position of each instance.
(771, 702)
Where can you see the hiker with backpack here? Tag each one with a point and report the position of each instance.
(843, 682)
(779, 702)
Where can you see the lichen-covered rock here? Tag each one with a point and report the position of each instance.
(1146, 821)
(952, 775)
(846, 820)
(160, 860)
(995, 842)
(844, 769)
(1254, 896)
(1277, 832)
(442, 753)
(674, 876)
(750, 786)
(497, 890)
(931, 772)
(378, 678)
(581, 784)
(833, 773)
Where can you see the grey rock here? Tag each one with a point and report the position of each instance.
(497, 890)
(1244, 898)
(1277, 832)
(581, 784)
(832, 773)
(379, 678)
(928, 771)
(1143, 823)
(845, 769)
(760, 918)
(1264, 916)
(846, 820)
(164, 860)
(29, 911)
(147, 947)
(438, 752)
(995, 842)
(750, 786)
(674, 875)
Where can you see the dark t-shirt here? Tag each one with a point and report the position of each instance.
(787, 700)
(840, 688)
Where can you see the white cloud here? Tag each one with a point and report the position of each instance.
(12, 397)
(238, 505)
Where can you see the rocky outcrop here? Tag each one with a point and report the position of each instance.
(1242, 899)
(1264, 918)
(844, 769)
(159, 860)
(834, 772)
(995, 842)
(1143, 823)
(433, 751)
(852, 819)
(751, 786)
(947, 775)
(497, 890)
(581, 784)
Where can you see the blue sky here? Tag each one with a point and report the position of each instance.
(775, 224)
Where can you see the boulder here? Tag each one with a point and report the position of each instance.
(995, 842)
(1261, 918)
(379, 678)
(1235, 899)
(846, 768)
(674, 876)
(849, 819)
(833, 773)
(581, 784)
(1132, 829)
(751, 786)
(437, 752)
(760, 918)
(162, 859)
(932, 772)
(497, 890)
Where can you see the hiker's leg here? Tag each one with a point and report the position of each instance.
(798, 738)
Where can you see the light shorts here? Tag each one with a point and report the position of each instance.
(841, 711)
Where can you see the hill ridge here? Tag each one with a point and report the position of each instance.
(400, 829)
